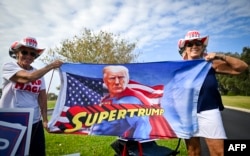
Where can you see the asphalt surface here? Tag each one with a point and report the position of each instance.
(236, 124)
(50, 111)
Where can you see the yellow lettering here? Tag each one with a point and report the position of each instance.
(161, 111)
(112, 115)
(121, 114)
(103, 116)
(155, 111)
(141, 112)
(132, 112)
(77, 122)
(88, 121)
(148, 112)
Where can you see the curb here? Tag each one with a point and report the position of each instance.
(239, 109)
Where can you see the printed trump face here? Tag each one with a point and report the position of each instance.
(116, 79)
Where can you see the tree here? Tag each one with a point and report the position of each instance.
(51, 96)
(237, 84)
(245, 56)
(89, 47)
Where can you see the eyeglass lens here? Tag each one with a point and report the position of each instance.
(24, 52)
(197, 43)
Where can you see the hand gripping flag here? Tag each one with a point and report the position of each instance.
(168, 94)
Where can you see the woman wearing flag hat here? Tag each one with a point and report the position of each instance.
(210, 125)
(24, 87)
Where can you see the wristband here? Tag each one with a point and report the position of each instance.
(220, 56)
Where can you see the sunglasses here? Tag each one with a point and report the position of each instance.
(24, 52)
(196, 43)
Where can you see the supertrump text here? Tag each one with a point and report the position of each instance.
(87, 116)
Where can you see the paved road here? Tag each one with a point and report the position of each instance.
(236, 124)
(50, 111)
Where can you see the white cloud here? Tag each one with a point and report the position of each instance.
(156, 25)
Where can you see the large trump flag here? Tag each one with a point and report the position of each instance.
(160, 100)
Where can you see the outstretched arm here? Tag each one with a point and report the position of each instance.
(225, 64)
(23, 76)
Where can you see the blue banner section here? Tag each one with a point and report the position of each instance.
(159, 101)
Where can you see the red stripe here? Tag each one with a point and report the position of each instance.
(91, 109)
(98, 108)
(160, 128)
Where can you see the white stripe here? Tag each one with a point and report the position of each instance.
(65, 108)
(63, 119)
(154, 100)
(54, 129)
(146, 88)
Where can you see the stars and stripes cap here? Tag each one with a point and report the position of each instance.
(28, 42)
(191, 35)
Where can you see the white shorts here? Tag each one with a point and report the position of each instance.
(210, 125)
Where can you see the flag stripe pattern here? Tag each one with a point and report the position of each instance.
(86, 91)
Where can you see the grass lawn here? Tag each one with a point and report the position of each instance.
(237, 101)
(62, 144)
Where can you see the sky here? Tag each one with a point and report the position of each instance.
(155, 25)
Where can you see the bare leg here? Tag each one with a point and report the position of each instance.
(215, 146)
(193, 146)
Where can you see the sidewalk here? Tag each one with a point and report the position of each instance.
(236, 108)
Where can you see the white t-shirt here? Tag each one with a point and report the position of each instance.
(20, 95)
